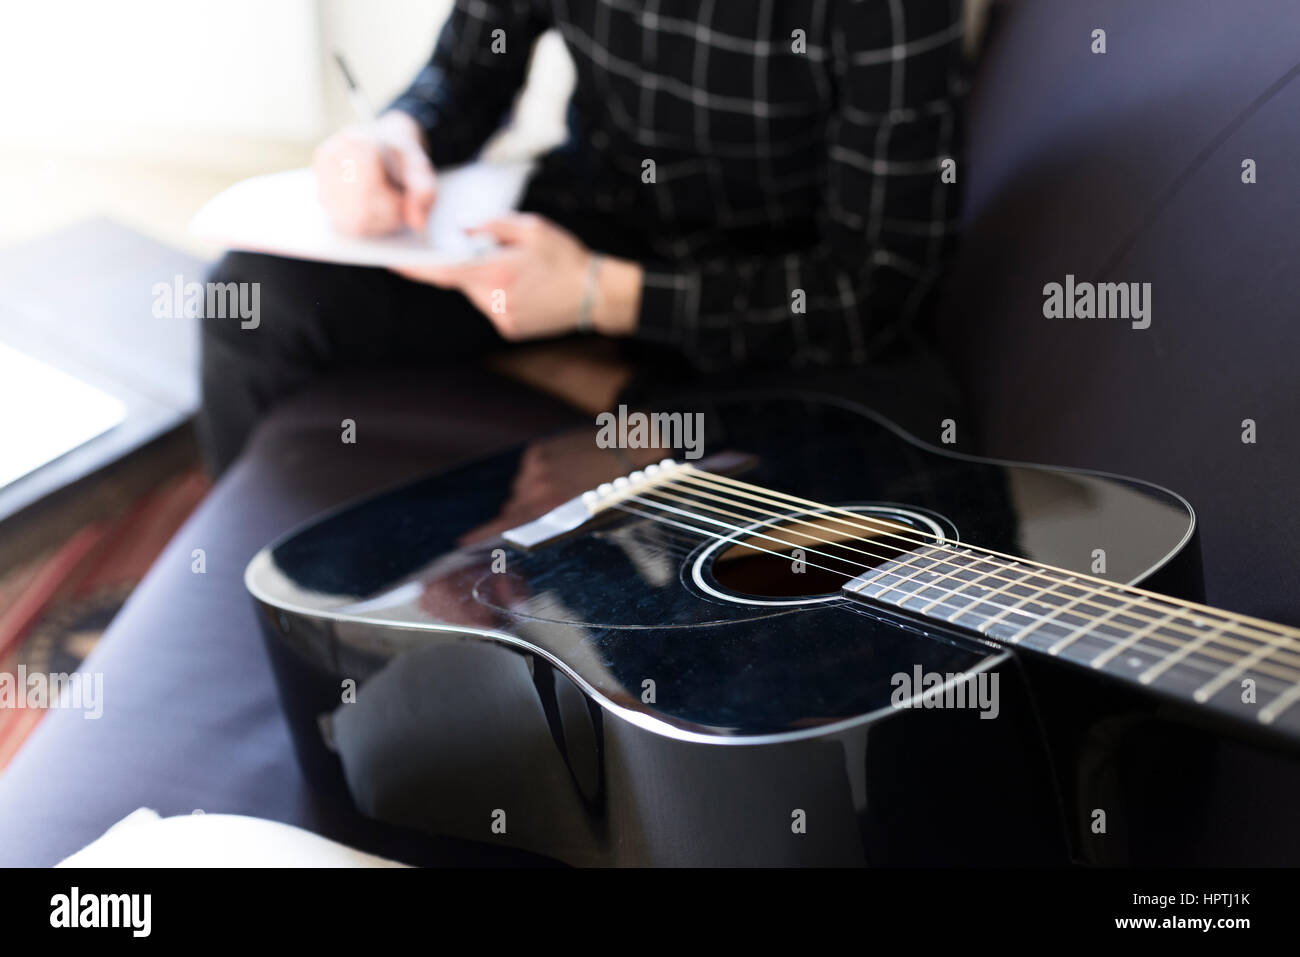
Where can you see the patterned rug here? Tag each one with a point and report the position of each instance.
(54, 608)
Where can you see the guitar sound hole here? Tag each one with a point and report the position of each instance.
(808, 557)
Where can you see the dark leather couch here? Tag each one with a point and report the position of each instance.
(1127, 167)
(1117, 167)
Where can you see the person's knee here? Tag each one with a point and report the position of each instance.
(233, 297)
(258, 304)
(266, 333)
(240, 267)
(245, 267)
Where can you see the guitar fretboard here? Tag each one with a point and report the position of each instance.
(1232, 663)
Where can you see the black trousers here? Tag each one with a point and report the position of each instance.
(316, 320)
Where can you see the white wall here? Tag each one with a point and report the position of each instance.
(89, 74)
(384, 41)
(198, 81)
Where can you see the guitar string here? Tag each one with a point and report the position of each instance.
(1284, 695)
(1076, 634)
(1073, 635)
(1247, 643)
(1256, 623)
(1181, 649)
(1235, 663)
(1278, 689)
(1202, 611)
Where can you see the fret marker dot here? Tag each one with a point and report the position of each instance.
(1135, 662)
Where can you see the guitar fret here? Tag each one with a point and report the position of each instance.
(989, 593)
(1015, 609)
(902, 581)
(1215, 685)
(901, 570)
(996, 591)
(1057, 613)
(1269, 713)
(1167, 662)
(957, 591)
(1143, 638)
(1086, 628)
(940, 589)
(1118, 649)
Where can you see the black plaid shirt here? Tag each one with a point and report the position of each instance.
(777, 161)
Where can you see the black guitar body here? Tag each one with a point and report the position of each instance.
(611, 699)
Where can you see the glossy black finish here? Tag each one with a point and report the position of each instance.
(526, 692)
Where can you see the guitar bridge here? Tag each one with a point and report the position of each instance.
(583, 509)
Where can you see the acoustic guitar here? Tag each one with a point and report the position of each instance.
(823, 642)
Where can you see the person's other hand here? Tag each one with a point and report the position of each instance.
(375, 178)
(533, 285)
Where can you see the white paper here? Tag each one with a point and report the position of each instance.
(47, 413)
(280, 213)
(144, 839)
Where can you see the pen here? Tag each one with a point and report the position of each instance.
(360, 104)
(365, 112)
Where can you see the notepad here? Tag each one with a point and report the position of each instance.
(280, 213)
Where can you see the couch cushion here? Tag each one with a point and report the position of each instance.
(1127, 167)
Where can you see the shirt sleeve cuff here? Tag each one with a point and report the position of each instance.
(426, 117)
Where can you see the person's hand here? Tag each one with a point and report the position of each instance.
(375, 178)
(534, 284)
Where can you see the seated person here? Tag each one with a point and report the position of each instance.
(747, 191)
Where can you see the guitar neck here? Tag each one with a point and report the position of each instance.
(1231, 663)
